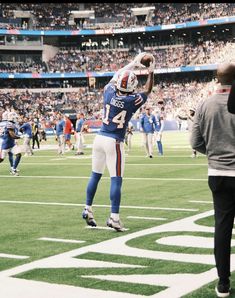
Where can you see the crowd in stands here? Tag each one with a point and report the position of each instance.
(177, 98)
(71, 59)
(23, 67)
(51, 16)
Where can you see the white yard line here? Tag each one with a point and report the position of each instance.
(61, 240)
(164, 156)
(127, 164)
(127, 155)
(87, 177)
(102, 206)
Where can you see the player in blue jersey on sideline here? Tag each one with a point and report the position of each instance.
(159, 129)
(26, 130)
(120, 103)
(59, 131)
(79, 133)
(8, 135)
(148, 124)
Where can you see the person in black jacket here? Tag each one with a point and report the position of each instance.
(35, 133)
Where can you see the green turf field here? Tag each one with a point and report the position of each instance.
(47, 200)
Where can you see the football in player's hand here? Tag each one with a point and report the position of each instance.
(146, 60)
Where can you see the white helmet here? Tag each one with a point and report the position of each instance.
(12, 116)
(127, 81)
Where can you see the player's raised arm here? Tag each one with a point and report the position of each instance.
(130, 66)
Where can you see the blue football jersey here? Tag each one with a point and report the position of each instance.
(60, 127)
(79, 124)
(159, 119)
(148, 123)
(27, 129)
(118, 110)
(7, 140)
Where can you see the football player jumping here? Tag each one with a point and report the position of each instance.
(120, 103)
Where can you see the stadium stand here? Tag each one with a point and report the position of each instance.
(69, 59)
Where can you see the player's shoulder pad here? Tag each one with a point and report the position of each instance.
(110, 86)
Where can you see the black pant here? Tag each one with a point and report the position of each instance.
(35, 138)
(223, 191)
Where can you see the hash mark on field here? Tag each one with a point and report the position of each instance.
(12, 256)
(61, 240)
(148, 218)
(202, 202)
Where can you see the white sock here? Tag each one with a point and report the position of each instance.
(115, 216)
(88, 207)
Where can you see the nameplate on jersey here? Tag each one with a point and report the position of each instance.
(117, 103)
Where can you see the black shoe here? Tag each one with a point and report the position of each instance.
(79, 153)
(150, 156)
(222, 289)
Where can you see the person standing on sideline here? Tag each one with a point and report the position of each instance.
(189, 119)
(213, 134)
(68, 131)
(35, 133)
(59, 130)
(120, 103)
(148, 124)
(26, 130)
(128, 135)
(159, 129)
(79, 130)
(8, 135)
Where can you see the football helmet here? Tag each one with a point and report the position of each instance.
(12, 116)
(127, 81)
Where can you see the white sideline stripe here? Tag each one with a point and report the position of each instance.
(106, 206)
(127, 164)
(61, 240)
(12, 256)
(148, 218)
(129, 156)
(86, 177)
(202, 202)
(103, 228)
(165, 156)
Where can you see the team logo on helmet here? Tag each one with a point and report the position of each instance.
(127, 81)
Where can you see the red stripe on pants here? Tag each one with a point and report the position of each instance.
(119, 158)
